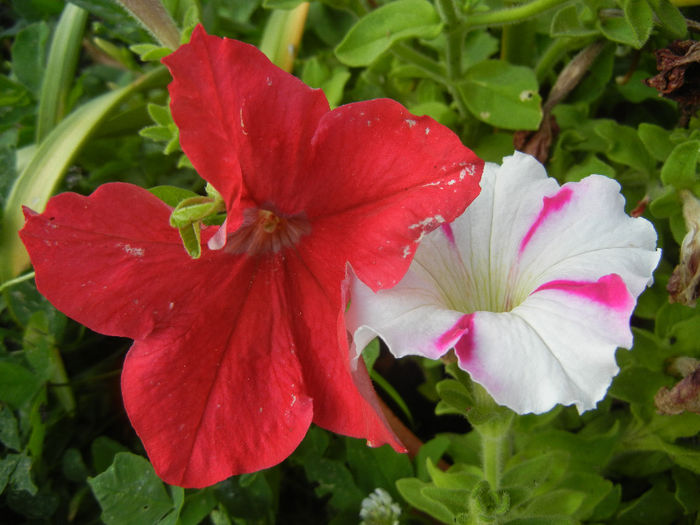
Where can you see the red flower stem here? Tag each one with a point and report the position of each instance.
(408, 438)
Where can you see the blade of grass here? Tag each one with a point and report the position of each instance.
(282, 34)
(60, 69)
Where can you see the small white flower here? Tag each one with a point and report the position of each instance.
(533, 286)
(379, 509)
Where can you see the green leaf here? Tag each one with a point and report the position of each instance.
(281, 4)
(129, 492)
(570, 21)
(455, 500)
(430, 451)
(455, 395)
(17, 384)
(9, 431)
(437, 110)
(502, 95)
(29, 55)
(411, 489)
(557, 502)
(633, 28)
(656, 140)
(376, 467)
(197, 506)
(462, 477)
(624, 146)
(334, 479)
(636, 91)
(21, 478)
(669, 315)
(538, 474)
(160, 114)
(48, 164)
(680, 168)
(590, 165)
(687, 490)
(670, 17)
(657, 505)
(479, 45)
(666, 203)
(150, 52)
(103, 450)
(73, 466)
(377, 31)
(637, 384)
(595, 488)
(7, 467)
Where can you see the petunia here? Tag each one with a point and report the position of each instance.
(237, 352)
(533, 286)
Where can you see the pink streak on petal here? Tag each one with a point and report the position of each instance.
(447, 230)
(550, 205)
(466, 344)
(459, 336)
(609, 290)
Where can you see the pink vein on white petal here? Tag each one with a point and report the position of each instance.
(447, 230)
(609, 291)
(550, 206)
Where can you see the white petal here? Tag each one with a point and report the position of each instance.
(556, 347)
(533, 286)
(410, 317)
(588, 237)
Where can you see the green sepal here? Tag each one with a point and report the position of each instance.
(488, 504)
(191, 239)
(194, 209)
(172, 195)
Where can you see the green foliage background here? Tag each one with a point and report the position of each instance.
(83, 102)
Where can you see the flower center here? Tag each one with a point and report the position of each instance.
(265, 231)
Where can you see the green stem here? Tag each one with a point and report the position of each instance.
(493, 455)
(494, 433)
(16, 280)
(430, 67)
(511, 15)
(61, 384)
(449, 12)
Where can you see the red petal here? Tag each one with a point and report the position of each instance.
(344, 399)
(221, 392)
(213, 385)
(93, 258)
(383, 177)
(244, 123)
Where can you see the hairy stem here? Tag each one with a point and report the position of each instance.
(511, 15)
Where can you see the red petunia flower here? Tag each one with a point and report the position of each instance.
(237, 352)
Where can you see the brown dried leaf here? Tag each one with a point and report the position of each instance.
(684, 284)
(684, 397)
(679, 75)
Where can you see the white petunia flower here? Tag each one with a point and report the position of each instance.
(533, 286)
